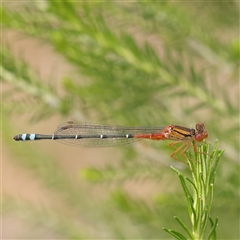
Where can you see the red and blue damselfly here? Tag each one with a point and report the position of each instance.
(82, 134)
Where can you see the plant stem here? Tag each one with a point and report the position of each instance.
(200, 195)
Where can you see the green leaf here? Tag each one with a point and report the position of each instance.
(213, 235)
(175, 234)
(184, 226)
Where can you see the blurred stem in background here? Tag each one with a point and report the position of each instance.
(141, 63)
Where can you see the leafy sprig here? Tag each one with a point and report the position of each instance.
(198, 193)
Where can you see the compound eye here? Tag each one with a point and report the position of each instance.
(200, 137)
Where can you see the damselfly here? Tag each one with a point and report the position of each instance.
(95, 135)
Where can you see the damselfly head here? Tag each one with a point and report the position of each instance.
(201, 132)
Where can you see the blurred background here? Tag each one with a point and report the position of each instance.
(123, 63)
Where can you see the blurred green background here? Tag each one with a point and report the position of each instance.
(125, 63)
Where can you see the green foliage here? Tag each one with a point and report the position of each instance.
(132, 63)
(200, 200)
(127, 170)
(23, 79)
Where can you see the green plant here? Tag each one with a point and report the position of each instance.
(199, 193)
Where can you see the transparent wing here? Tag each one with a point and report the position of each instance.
(116, 135)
